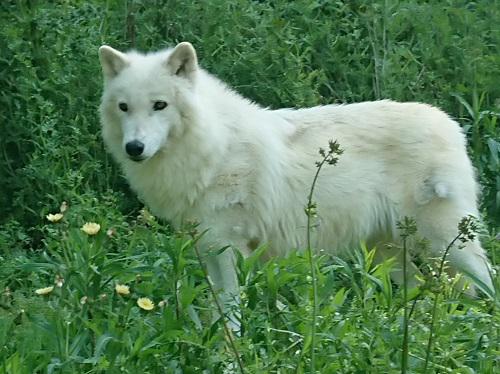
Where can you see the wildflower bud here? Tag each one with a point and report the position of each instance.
(64, 207)
(145, 216)
(44, 291)
(59, 281)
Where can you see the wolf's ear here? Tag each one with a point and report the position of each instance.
(112, 61)
(182, 61)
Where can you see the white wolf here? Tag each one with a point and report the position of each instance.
(193, 149)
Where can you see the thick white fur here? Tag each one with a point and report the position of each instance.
(244, 171)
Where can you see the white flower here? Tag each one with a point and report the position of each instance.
(145, 303)
(122, 289)
(54, 217)
(91, 228)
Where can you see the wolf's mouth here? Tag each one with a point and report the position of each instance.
(137, 158)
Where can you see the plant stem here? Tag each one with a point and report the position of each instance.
(434, 306)
(330, 157)
(404, 358)
(312, 267)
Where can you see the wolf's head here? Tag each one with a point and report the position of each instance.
(144, 98)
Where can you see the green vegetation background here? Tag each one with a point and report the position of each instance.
(278, 53)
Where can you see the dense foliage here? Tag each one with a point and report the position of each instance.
(280, 54)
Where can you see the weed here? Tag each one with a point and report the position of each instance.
(330, 157)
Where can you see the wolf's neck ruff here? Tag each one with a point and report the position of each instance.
(183, 167)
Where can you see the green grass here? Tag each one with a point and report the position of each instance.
(279, 54)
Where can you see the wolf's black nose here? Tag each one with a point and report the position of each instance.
(134, 148)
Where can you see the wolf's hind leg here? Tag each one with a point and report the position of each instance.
(438, 221)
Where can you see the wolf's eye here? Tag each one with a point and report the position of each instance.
(159, 105)
(123, 107)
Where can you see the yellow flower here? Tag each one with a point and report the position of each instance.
(122, 289)
(91, 228)
(44, 291)
(145, 303)
(54, 217)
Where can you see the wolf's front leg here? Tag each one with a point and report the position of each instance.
(222, 273)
